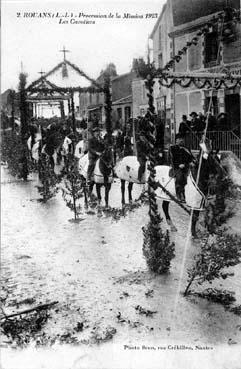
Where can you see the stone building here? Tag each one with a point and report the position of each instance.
(91, 105)
(139, 97)
(213, 53)
(162, 52)
(217, 51)
(122, 99)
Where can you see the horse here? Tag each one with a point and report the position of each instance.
(34, 142)
(102, 175)
(195, 193)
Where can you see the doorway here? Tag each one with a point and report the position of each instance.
(232, 108)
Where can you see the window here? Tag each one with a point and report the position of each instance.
(119, 113)
(212, 104)
(160, 60)
(127, 113)
(211, 49)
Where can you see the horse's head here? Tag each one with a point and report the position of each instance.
(107, 160)
(208, 171)
(206, 146)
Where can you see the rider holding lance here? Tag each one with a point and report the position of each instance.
(95, 149)
(179, 159)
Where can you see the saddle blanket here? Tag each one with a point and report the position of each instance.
(127, 170)
(97, 175)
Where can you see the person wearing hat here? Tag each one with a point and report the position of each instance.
(194, 121)
(95, 149)
(179, 159)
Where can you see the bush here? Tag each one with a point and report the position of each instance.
(157, 248)
(74, 186)
(15, 154)
(218, 252)
(48, 178)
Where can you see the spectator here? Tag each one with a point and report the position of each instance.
(194, 121)
(222, 122)
(200, 122)
(212, 123)
(185, 126)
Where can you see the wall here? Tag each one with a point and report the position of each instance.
(121, 86)
(139, 96)
(232, 51)
(185, 11)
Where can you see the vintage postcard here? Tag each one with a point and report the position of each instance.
(120, 184)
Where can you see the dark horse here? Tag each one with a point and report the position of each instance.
(103, 173)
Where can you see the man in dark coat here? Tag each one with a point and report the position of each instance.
(95, 149)
(194, 121)
(179, 159)
(185, 126)
(142, 147)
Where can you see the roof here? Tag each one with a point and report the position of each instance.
(123, 100)
(121, 76)
(67, 75)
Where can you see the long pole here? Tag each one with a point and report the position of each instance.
(108, 106)
(23, 124)
(153, 211)
(73, 113)
(12, 110)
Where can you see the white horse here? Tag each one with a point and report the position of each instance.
(33, 143)
(127, 170)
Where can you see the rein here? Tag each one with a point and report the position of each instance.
(108, 165)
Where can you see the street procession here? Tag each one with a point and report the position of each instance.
(121, 185)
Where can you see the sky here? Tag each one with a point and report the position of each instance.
(34, 42)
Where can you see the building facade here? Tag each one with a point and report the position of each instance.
(91, 105)
(213, 53)
(177, 24)
(162, 52)
(122, 99)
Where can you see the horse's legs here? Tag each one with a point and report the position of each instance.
(107, 190)
(130, 186)
(85, 192)
(123, 191)
(194, 221)
(90, 189)
(98, 186)
(165, 207)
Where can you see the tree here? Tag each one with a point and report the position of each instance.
(49, 180)
(74, 186)
(218, 252)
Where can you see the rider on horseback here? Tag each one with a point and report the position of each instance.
(95, 149)
(179, 159)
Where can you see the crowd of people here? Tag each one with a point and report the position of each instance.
(198, 123)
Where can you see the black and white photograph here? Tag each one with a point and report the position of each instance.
(120, 184)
